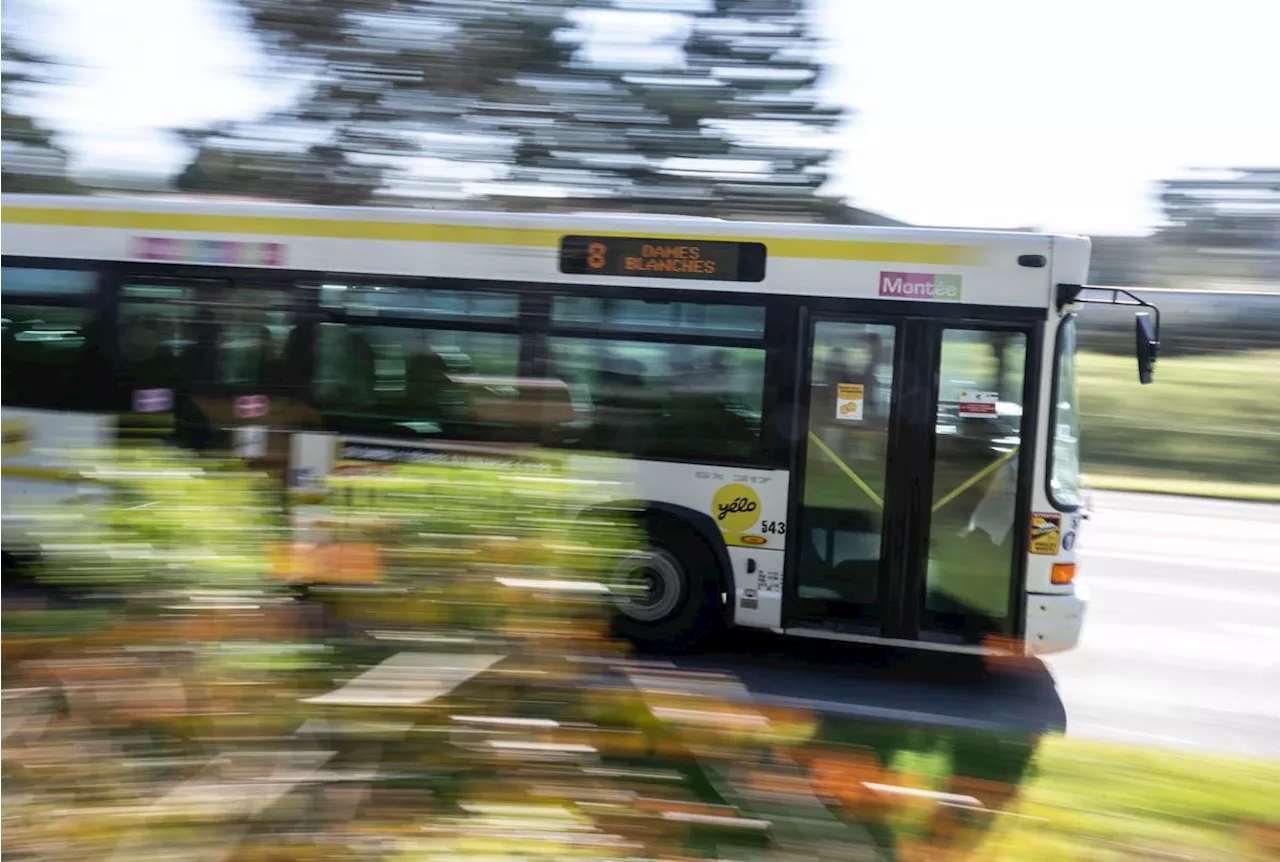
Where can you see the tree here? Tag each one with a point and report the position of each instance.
(320, 174)
(723, 119)
(1240, 209)
(32, 159)
(630, 105)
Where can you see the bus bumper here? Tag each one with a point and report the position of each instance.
(1054, 621)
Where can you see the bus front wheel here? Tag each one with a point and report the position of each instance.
(667, 594)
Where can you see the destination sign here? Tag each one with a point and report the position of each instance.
(637, 257)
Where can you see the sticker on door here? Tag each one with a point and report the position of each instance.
(849, 401)
(1046, 533)
(978, 405)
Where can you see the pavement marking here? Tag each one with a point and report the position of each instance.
(1251, 630)
(1072, 727)
(1201, 562)
(1182, 591)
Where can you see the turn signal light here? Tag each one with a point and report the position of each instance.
(1062, 574)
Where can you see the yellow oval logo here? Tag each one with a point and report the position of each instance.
(735, 507)
(754, 540)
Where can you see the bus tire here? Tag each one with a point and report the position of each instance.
(681, 604)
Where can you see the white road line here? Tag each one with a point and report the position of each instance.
(1200, 562)
(1181, 591)
(1091, 729)
(1251, 631)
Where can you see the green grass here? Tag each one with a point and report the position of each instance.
(1063, 799)
(1207, 425)
(1098, 802)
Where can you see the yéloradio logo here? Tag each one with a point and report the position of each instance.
(736, 508)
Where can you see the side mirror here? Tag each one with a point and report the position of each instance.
(1148, 346)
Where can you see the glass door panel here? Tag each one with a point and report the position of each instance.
(846, 454)
(971, 568)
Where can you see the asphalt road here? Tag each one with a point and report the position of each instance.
(1181, 646)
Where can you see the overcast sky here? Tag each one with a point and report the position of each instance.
(985, 113)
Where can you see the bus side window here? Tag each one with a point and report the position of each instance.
(675, 400)
(207, 339)
(54, 355)
(386, 379)
(147, 349)
(47, 354)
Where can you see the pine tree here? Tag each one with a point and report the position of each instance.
(32, 159)
(629, 106)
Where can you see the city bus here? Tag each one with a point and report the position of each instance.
(853, 433)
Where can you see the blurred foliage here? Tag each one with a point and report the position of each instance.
(706, 109)
(452, 692)
(1221, 231)
(32, 159)
(1099, 802)
(1227, 210)
(1206, 418)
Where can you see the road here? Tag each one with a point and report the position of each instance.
(1181, 646)
(1182, 643)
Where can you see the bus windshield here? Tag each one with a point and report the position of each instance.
(1064, 462)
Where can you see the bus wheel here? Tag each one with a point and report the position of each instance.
(668, 593)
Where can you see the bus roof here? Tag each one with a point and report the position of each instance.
(837, 260)
(244, 207)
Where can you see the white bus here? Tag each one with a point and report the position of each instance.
(861, 434)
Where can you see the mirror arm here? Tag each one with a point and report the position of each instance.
(1068, 294)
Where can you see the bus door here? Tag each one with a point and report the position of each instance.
(911, 486)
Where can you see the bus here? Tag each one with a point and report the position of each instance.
(853, 433)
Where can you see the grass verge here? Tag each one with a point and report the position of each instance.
(1013, 797)
(1101, 802)
(1186, 487)
(1208, 425)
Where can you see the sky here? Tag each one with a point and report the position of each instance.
(1056, 116)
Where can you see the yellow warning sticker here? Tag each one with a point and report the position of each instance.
(1046, 533)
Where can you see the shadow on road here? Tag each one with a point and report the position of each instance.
(873, 682)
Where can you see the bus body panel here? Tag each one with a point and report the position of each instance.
(757, 497)
(1055, 611)
(899, 273)
(1054, 622)
(39, 473)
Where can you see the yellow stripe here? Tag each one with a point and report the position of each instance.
(975, 479)
(284, 226)
(848, 471)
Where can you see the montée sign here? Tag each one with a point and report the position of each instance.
(639, 257)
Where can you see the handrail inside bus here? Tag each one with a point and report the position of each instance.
(976, 478)
(847, 470)
(951, 495)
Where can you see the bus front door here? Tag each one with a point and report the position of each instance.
(910, 493)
